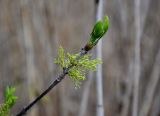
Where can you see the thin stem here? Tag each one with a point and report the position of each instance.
(137, 59)
(24, 110)
(100, 106)
(53, 84)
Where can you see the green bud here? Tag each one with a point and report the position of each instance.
(106, 24)
(100, 28)
(97, 31)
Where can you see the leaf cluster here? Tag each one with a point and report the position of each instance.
(79, 67)
(10, 100)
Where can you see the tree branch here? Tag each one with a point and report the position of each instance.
(53, 84)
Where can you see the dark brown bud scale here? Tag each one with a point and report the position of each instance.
(88, 47)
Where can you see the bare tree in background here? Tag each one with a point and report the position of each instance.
(32, 30)
(137, 50)
(99, 78)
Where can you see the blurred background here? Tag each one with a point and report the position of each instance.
(32, 30)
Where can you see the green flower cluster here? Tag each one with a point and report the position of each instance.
(79, 66)
(10, 100)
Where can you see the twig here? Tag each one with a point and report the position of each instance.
(53, 84)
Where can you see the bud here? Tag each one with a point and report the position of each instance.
(105, 24)
(100, 28)
(97, 31)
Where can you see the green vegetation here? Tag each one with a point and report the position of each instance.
(10, 100)
(75, 65)
(99, 30)
(79, 66)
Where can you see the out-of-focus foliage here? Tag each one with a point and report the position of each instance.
(10, 100)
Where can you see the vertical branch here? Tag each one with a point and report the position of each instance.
(28, 43)
(139, 24)
(123, 15)
(100, 106)
(149, 94)
(137, 67)
(129, 80)
(145, 7)
(156, 105)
